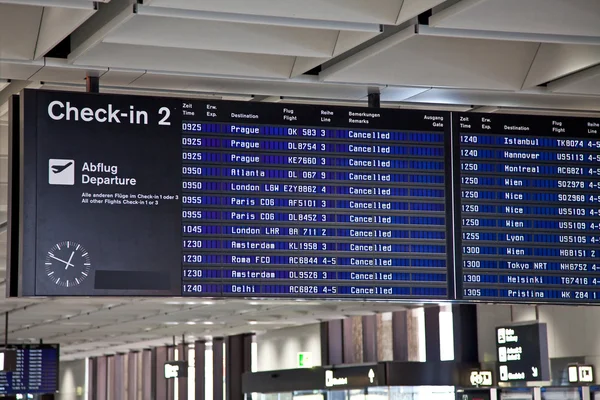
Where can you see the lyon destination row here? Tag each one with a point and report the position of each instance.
(282, 209)
(529, 207)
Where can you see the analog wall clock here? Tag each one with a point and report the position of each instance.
(67, 264)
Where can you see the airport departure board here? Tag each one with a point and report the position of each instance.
(142, 196)
(125, 195)
(36, 373)
(528, 208)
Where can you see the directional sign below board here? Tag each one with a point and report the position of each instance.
(347, 377)
(523, 353)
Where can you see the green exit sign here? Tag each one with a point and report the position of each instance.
(305, 360)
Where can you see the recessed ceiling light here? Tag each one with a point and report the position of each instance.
(254, 303)
(190, 323)
(190, 303)
(252, 322)
(172, 323)
(148, 329)
(208, 323)
(172, 303)
(208, 303)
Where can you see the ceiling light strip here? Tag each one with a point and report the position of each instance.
(425, 30)
(257, 19)
(77, 4)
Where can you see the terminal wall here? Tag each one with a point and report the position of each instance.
(72, 376)
(572, 331)
(279, 349)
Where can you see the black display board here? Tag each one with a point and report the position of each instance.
(36, 370)
(125, 195)
(522, 352)
(527, 214)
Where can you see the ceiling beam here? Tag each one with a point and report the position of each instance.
(457, 8)
(368, 52)
(575, 78)
(256, 19)
(426, 30)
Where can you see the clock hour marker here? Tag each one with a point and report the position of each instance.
(77, 248)
(58, 280)
(86, 264)
(77, 280)
(84, 274)
(51, 273)
(48, 263)
(58, 246)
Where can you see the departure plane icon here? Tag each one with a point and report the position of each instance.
(61, 172)
(60, 168)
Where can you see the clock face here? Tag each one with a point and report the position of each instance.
(67, 264)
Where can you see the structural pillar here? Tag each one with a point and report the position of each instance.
(160, 387)
(101, 378)
(432, 333)
(400, 335)
(92, 379)
(464, 321)
(147, 375)
(238, 361)
(200, 369)
(218, 369)
(170, 382)
(369, 337)
(332, 342)
(119, 375)
(132, 375)
(182, 383)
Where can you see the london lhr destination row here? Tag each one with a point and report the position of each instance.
(529, 208)
(281, 210)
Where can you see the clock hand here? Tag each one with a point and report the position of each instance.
(62, 261)
(69, 262)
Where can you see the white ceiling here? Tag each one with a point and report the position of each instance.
(534, 56)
